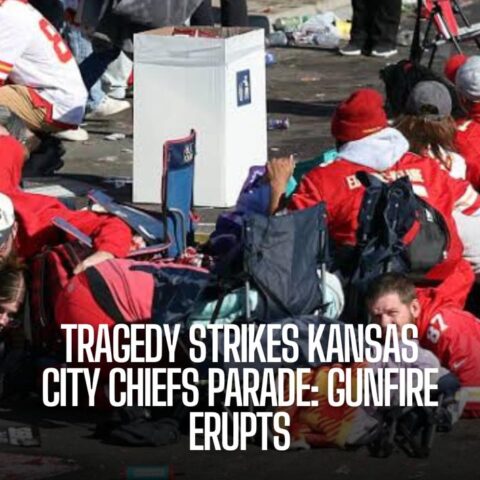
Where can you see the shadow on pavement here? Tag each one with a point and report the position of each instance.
(301, 108)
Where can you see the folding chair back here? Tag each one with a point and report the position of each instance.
(442, 17)
(282, 255)
(445, 20)
(169, 234)
(149, 227)
(177, 191)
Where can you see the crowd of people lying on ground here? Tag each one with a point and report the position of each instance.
(430, 160)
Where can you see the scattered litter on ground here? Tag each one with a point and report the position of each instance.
(309, 79)
(108, 158)
(277, 39)
(290, 24)
(127, 150)
(405, 38)
(114, 137)
(24, 436)
(118, 182)
(270, 59)
(324, 30)
(278, 124)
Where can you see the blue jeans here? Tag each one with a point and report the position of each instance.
(95, 65)
(82, 48)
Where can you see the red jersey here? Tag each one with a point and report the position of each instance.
(453, 335)
(467, 141)
(34, 213)
(338, 186)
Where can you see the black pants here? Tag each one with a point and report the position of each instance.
(52, 10)
(234, 13)
(375, 23)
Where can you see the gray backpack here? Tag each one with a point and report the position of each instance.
(156, 13)
(151, 13)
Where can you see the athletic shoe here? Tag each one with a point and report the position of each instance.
(118, 93)
(350, 50)
(109, 106)
(46, 160)
(77, 135)
(384, 52)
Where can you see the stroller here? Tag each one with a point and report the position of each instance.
(413, 429)
(442, 27)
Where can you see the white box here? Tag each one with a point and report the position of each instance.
(214, 85)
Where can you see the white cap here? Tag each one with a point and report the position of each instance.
(468, 79)
(7, 217)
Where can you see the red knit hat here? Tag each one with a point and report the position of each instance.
(453, 64)
(359, 116)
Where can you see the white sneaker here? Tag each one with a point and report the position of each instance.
(384, 52)
(350, 50)
(109, 106)
(117, 93)
(74, 135)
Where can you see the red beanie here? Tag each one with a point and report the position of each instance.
(453, 64)
(359, 116)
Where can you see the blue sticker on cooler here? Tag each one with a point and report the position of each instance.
(244, 88)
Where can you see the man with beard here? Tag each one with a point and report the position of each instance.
(451, 333)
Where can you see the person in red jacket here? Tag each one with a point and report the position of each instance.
(464, 72)
(34, 214)
(366, 143)
(451, 333)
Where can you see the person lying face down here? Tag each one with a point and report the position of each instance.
(367, 144)
(34, 213)
(452, 334)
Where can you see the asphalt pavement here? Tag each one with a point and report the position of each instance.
(305, 85)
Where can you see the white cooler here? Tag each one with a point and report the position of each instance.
(214, 85)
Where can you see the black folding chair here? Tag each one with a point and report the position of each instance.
(279, 256)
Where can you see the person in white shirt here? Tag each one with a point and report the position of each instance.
(39, 79)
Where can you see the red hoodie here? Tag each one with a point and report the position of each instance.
(453, 335)
(386, 155)
(467, 142)
(35, 212)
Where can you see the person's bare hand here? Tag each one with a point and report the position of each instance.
(94, 259)
(279, 171)
(137, 243)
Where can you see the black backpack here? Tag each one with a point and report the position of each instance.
(400, 79)
(387, 214)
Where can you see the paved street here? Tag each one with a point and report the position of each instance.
(305, 85)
